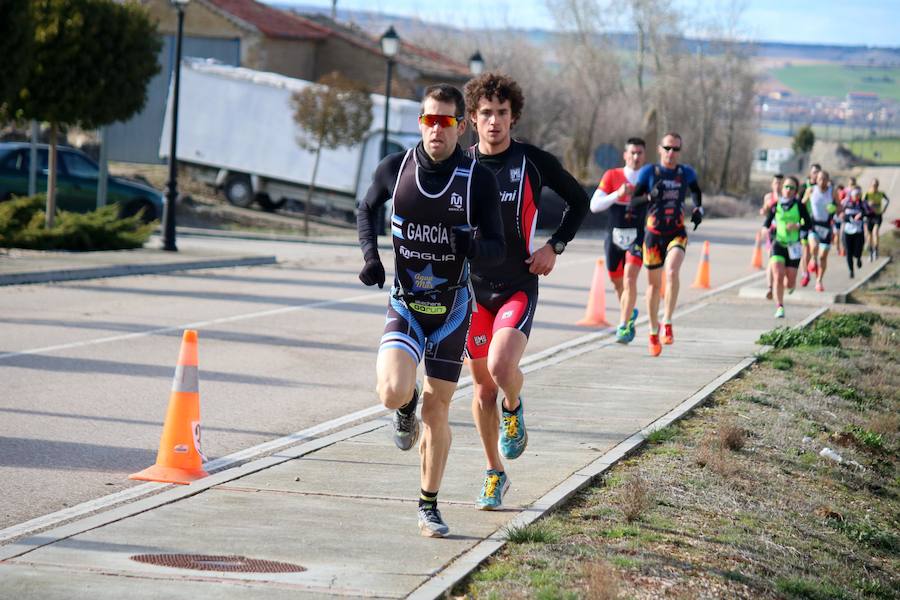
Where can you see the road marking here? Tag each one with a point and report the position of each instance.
(195, 325)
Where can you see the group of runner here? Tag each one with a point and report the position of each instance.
(802, 222)
(467, 263)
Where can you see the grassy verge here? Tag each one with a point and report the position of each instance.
(742, 499)
(884, 290)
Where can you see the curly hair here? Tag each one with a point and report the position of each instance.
(495, 85)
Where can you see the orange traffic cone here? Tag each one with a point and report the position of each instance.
(180, 459)
(595, 313)
(702, 280)
(757, 261)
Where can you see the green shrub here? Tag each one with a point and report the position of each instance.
(22, 226)
(827, 331)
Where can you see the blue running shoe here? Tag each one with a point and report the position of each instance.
(513, 437)
(495, 486)
(634, 314)
(624, 334)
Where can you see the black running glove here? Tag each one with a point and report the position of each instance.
(372, 273)
(461, 241)
(697, 217)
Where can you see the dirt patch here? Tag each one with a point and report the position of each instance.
(784, 485)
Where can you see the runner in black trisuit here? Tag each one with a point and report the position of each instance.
(507, 293)
(439, 194)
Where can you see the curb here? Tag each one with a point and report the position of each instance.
(440, 585)
(843, 298)
(130, 269)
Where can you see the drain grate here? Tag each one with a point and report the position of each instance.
(211, 562)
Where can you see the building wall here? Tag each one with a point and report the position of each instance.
(294, 58)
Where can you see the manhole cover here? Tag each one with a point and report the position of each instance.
(209, 562)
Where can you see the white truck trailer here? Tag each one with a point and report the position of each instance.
(236, 132)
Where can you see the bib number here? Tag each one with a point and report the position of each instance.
(795, 250)
(822, 231)
(851, 227)
(624, 237)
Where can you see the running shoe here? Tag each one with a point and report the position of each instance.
(852, 275)
(495, 486)
(513, 437)
(812, 268)
(820, 287)
(859, 262)
(668, 335)
(406, 426)
(431, 524)
(655, 346)
(804, 281)
(624, 333)
(634, 315)
(779, 312)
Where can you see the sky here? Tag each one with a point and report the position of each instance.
(832, 22)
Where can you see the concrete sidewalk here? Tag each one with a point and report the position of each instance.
(340, 511)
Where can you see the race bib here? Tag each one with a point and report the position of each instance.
(795, 250)
(822, 231)
(624, 237)
(851, 227)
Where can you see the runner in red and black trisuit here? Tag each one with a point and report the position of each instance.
(666, 186)
(507, 293)
(439, 194)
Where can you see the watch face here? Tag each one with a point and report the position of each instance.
(558, 247)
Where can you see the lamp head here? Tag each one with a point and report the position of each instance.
(476, 64)
(390, 42)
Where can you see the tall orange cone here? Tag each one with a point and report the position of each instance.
(702, 280)
(595, 313)
(757, 261)
(180, 459)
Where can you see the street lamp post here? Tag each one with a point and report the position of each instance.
(476, 64)
(172, 186)
(390, 45)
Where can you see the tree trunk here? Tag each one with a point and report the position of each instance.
(312, 188)
(50, 218)
(723, 180)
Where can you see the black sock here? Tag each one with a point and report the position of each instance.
(410, 407)
(427, 498)
(506, 410)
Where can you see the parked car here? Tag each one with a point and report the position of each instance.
(76, 181)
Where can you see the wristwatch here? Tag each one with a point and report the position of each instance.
(558, 246)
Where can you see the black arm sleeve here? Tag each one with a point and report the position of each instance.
(770, 216)
(555, 177)
(490, 246)
(379, 193)
(696, 193)
(805, 221)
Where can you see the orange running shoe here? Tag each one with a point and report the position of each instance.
(668, 336)
(654, 346)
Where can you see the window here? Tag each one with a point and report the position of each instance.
(16, 161)
(79, 166)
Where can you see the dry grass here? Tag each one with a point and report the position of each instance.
(602, 581)
(635, 497)
(731, 437)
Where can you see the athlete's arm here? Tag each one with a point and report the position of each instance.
(489, 246)
(555, 177)
(770, 217)
(805, 221)
(639, 195)
(601, 201)
(379, 192)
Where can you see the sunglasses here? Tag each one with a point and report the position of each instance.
(442, 120)
(671, 148)
(790, 187)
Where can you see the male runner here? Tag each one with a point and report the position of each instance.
(507, 293)
(625, 235)
(878, 201)
(820, 201)
(665, 239)
(809, 183)
(439, 195)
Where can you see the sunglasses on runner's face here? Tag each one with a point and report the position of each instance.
(442, 120)
(671, 148)
(790, 187)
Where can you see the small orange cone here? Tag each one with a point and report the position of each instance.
(180, 459)
(702, 280)
(595, 313)
(757, 261)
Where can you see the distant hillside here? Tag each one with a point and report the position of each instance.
(377, 23)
